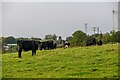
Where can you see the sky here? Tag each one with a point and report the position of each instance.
(37, 19)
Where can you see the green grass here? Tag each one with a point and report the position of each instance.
(76, 62)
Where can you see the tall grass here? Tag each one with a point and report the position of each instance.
(76, 62)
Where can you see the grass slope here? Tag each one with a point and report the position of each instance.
(76, 62)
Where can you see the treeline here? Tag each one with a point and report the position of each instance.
(13, 40)
(78, 38)
(5, 41)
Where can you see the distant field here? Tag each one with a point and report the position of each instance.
(76, 62)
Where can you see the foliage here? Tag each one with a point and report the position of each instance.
(111, 37)
(8, 40)
(51, 37)
(76, 62)
(107, 38)
(68, 38)
(34, 38)
(116, 36)
(78, 38)
(22, 38)
(12, 40)
(59, 41)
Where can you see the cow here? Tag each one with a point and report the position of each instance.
(66, 44)
(90, 42)
(47, 45)
(27, 45)
(42, 45)
(54, 45)
(99, 43)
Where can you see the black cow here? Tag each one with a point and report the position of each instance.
(27, 45)
(90, 42)
(54, 45)
(42, 45)
(99, 43)
(47, 45)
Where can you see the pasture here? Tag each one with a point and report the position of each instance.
(76, 62)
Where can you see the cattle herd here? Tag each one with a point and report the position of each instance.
(34, 45)
(92, 41)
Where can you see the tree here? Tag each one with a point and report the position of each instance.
(8, 40)
(51, 37)
(116, 36)
(68, 38)
(34, 38)
(59, 40)
(21, 38)
(78, 38)
(106, 38)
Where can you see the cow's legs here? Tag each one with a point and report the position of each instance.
(19, 53)
(33, 52)
(19, 47)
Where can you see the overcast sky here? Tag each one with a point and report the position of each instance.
(37, 19)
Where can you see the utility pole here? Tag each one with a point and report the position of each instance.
(113, 19)
(94, 29)
(98, 30)
(86, 28)
(100, 35)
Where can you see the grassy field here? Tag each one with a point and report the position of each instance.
(76, 62)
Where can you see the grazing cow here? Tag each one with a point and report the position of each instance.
(42, 45)
(27, 45)
(66, 44)
(47, 45)
(99, 43)
(91, 41)
(54, 45)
